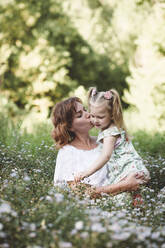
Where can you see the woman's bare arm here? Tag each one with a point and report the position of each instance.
(131, 183)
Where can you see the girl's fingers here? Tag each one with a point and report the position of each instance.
(139, 175)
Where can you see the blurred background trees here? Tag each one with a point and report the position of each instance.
(53, 49)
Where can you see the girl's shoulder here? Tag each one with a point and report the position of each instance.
(111, 131)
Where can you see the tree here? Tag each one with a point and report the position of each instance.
(42, 55)
(147, 80)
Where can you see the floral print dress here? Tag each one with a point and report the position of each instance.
(124, 159)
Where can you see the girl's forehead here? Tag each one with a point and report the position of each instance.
(97, 108)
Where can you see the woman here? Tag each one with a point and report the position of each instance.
(77, 149)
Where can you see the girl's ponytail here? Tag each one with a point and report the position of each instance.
(91, 94)
(117, 113)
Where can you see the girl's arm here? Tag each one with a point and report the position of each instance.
(108, 147)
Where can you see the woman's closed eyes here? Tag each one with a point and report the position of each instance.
(79, 114)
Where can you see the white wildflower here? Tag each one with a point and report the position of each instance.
(143, 233)
(59, 197)
(14, 174)
(116, 227)
(32, 227)
(63, 244)
(1, 226)
(79, 225)
(121, 236)
(37, 170)
(84, 235)
(155, 235)
(5, 208)
(32, 235)
(97, 227)
(5, 245)
(109, 245)
(73, 232)
(48, 198)
(26, 178)
(2, 235)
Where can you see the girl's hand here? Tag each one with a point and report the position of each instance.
(80, 176)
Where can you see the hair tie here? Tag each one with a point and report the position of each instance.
(94, 92)
(108, 95)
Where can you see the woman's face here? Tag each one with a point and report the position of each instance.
(81, 122)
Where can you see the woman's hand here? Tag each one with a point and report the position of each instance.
(133, 181)
(130, 183)
(91, 192)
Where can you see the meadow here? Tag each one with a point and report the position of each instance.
(35, 214)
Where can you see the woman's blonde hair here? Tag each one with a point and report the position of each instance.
(62, 117)
(111, 99)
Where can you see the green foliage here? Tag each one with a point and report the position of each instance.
(152, 146)
(152, 143)
(42, 55)
(147, 75)
(132, 35)
(49, 49)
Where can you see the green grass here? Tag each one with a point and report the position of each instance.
(34, 214)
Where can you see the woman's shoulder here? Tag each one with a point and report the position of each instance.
(65, 150)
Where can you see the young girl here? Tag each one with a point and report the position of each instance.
(118, 152)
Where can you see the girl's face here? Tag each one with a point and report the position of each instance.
(100, 116)
(81, 122)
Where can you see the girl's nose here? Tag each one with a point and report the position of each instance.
(87, 115)
(95, 120)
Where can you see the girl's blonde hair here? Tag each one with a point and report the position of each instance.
(111, 99)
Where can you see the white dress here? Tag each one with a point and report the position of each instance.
(71, 160)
